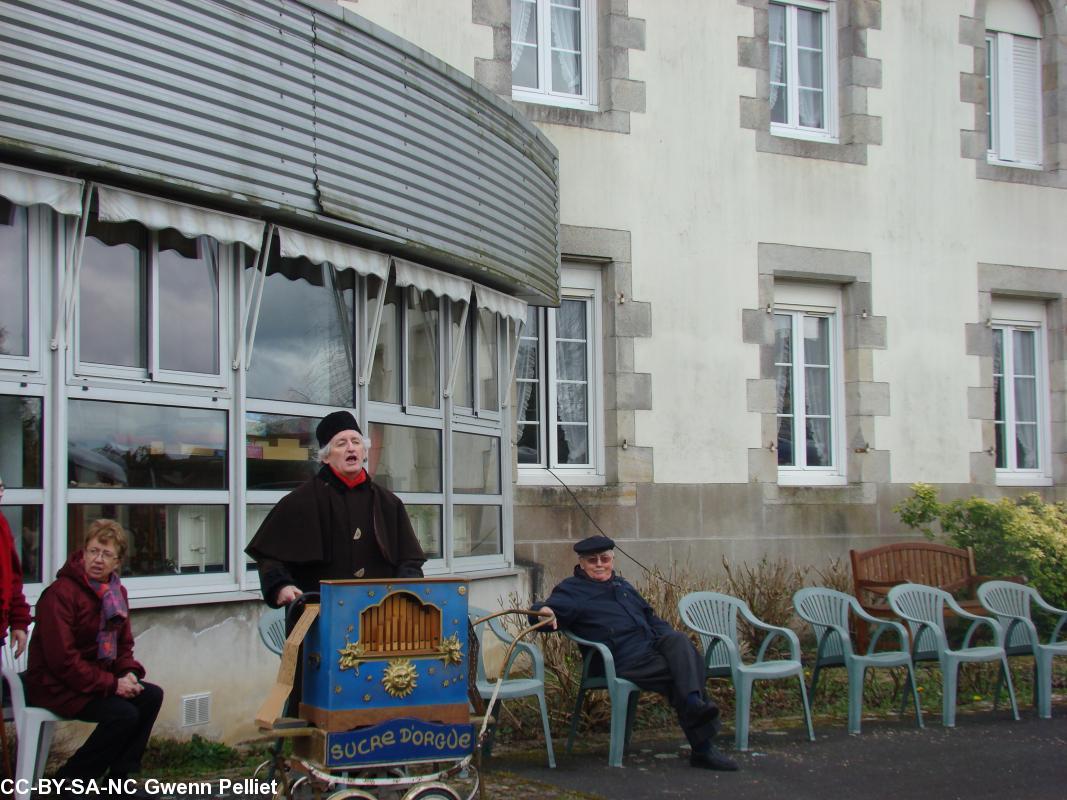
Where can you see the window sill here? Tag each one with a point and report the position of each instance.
(991, 159)
(1022, 479)
(808, 479)
(538, 99)
(804, 135)
(542, 477)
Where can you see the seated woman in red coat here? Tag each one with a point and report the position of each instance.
(81, 659)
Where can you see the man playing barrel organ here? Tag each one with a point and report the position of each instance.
(598, 605)
(338, 525)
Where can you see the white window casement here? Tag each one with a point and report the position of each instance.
(553, 52)
(1013, 80)
(1020, 394)
(1013, 83)
(810, 403)
(803, 69)
(558, 412)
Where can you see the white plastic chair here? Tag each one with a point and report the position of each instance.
(34, 726)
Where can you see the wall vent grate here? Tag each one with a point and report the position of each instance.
(196, 709)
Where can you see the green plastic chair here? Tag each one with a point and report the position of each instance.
(714, 618)
(598, 672)
(923, 608)
(827, 612)
(511, 688)
(1010, 603)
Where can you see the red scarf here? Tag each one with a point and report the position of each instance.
(113, 614)
(351, 483)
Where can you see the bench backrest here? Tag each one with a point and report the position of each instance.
(948, 568)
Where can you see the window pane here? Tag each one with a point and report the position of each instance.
(817, 390)
(303, 346)
(254, 516)
(188, 303)
(784, 389)
(572, 444)
(25, 524)
(164, 539)
(778, 70)
(424, 372)
(475, 464)
(998, 351)
(1025, 400)
(1002, 451)
(566, 72)
(488, 360)
(461, 389)
(145, 447)
(1026, 446)
(20, 441)
(524, 43)
(785, 442)
(280, 450)
(14, 277)
(816, 340)
(385, 380)
(476, 531)
(426, 521)
(404, 459)
(529, 444)
(524, 21)
(572, 361)
(524, 66)
(1024, 351)
(818, 443)
(998, 398)
(113, 295)
(811, 71)
(526, 363)
(811, 108)
(809, 28)
(783, 339)
(572, 404)
(571, 320)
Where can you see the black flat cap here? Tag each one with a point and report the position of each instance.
(333, 424)
(594, 544)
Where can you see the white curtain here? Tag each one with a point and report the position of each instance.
(566, 35)
(778, 53)
(520, 26)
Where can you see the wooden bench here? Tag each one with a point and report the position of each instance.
(876, 571)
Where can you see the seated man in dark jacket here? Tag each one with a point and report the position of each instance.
(598, 605)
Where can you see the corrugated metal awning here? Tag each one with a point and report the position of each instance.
(28, 187)
(426, 279)
(295, 244)
(502, 304)
(119, 205)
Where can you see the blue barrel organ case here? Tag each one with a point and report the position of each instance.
(385, 673)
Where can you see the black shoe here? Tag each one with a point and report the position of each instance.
(702, 722)
(713, 759)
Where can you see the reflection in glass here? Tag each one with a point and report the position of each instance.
(475, 464)
(304, 338)
(461, 389)
(188, 303)
(405, 459)
(528, 391)
(476, 531)
(145, 447)
(113, 294)
(15, 280)
(164, 539)
(385, 378)
(426, 521)
(20, 441)
(25, 524)
(280, 450)
(488, 360)
(785, 442)
(254, 516)
(424, 372)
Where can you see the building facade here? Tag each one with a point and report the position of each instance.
(781, 259)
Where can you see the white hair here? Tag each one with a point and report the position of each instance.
(324, 451)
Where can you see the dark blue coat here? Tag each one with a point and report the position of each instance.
(608, 611)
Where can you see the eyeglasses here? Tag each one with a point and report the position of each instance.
(599, 558)
(94, 553)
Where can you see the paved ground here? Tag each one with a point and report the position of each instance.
(987, 755)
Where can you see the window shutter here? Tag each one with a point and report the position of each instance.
(1026, 101)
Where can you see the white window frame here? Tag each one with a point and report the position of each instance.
(1004, 99)
(800, 300)
(580, 283)
(792, 128)
(40, 250)
(587, 100)
(160, 378)
(1009, 317)
(35, 496)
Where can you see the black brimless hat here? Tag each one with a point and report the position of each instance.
(333, 424)
(593, 544)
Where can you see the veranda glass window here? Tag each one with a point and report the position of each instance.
(21, 454)
(280, 451)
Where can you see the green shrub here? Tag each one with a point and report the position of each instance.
(1024, 536)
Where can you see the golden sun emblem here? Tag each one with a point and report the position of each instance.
(400, 677)
(451, 650)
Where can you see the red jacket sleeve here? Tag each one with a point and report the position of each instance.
(19, 617)
(61, 656)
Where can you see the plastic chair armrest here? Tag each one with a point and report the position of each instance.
(883, 625)
(600, 649)
(1044, 605)
(775, 631)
